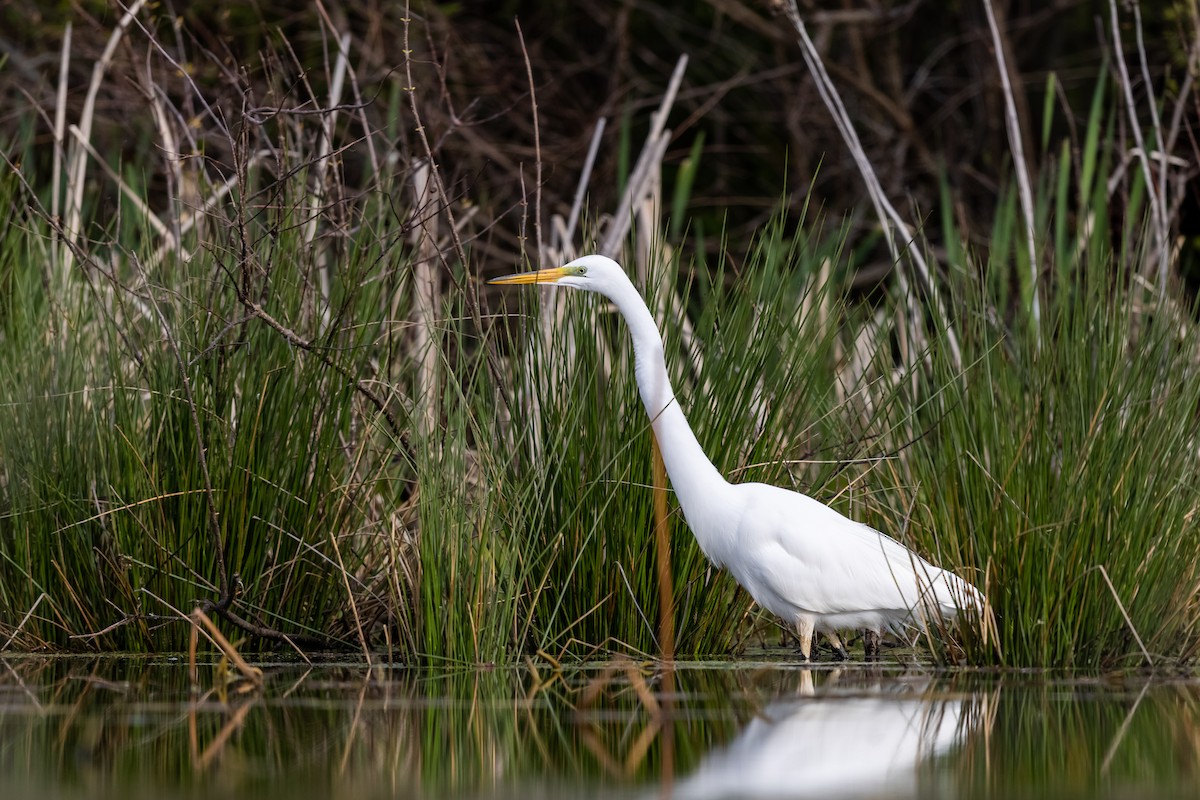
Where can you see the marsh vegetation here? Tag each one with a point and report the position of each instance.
(247, 363)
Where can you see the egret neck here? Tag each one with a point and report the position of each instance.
(696, 482)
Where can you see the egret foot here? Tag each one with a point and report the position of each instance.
(804, 630)
(839, 651)
(871, 641)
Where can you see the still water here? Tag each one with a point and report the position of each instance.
(134, 728)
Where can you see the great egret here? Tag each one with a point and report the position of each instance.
(797, 557)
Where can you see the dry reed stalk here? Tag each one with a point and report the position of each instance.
(648, 241)
(1121, 607)
(1119, 736)
(173, 164)
(1017, 146)
(640, 749)
(652, 154)
(585, 176)
(889, 218)
(562, 249)
(60, 122)
(321, 167)
(249, 672)
(1157, 203)
(470, 295)
(77, 160)
(217, 745)
(426, 292)
(345, 574)
(360, 106)
(1164, 231)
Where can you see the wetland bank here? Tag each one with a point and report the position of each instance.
(249, 367)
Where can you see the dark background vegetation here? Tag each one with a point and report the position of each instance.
(919, 79)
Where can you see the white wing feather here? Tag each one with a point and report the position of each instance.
(799, 556)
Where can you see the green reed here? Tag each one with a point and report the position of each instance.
(1054, 465)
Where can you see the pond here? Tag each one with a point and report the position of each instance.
(137, 727)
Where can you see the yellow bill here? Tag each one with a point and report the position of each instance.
(540, 276)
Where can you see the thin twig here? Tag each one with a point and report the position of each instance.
(470, 293)
(537, 149)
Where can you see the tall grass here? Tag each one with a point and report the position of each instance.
(242, 418)
(104, 503)
(1069, 465)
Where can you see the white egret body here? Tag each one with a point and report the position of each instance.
(797, 557)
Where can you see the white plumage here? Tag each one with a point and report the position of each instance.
(797, 557)
(830, 745)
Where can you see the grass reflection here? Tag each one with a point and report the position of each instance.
(138, 727)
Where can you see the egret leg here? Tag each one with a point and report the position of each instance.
(871, 640)
(835, 642)
(804, 630)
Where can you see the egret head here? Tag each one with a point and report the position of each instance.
(591, 273)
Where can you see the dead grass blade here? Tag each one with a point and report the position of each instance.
(1145, 653)
(249, 672)
(24, 619)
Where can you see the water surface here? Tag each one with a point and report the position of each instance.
(138, 727)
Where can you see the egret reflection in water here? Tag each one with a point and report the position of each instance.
(867, 743)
